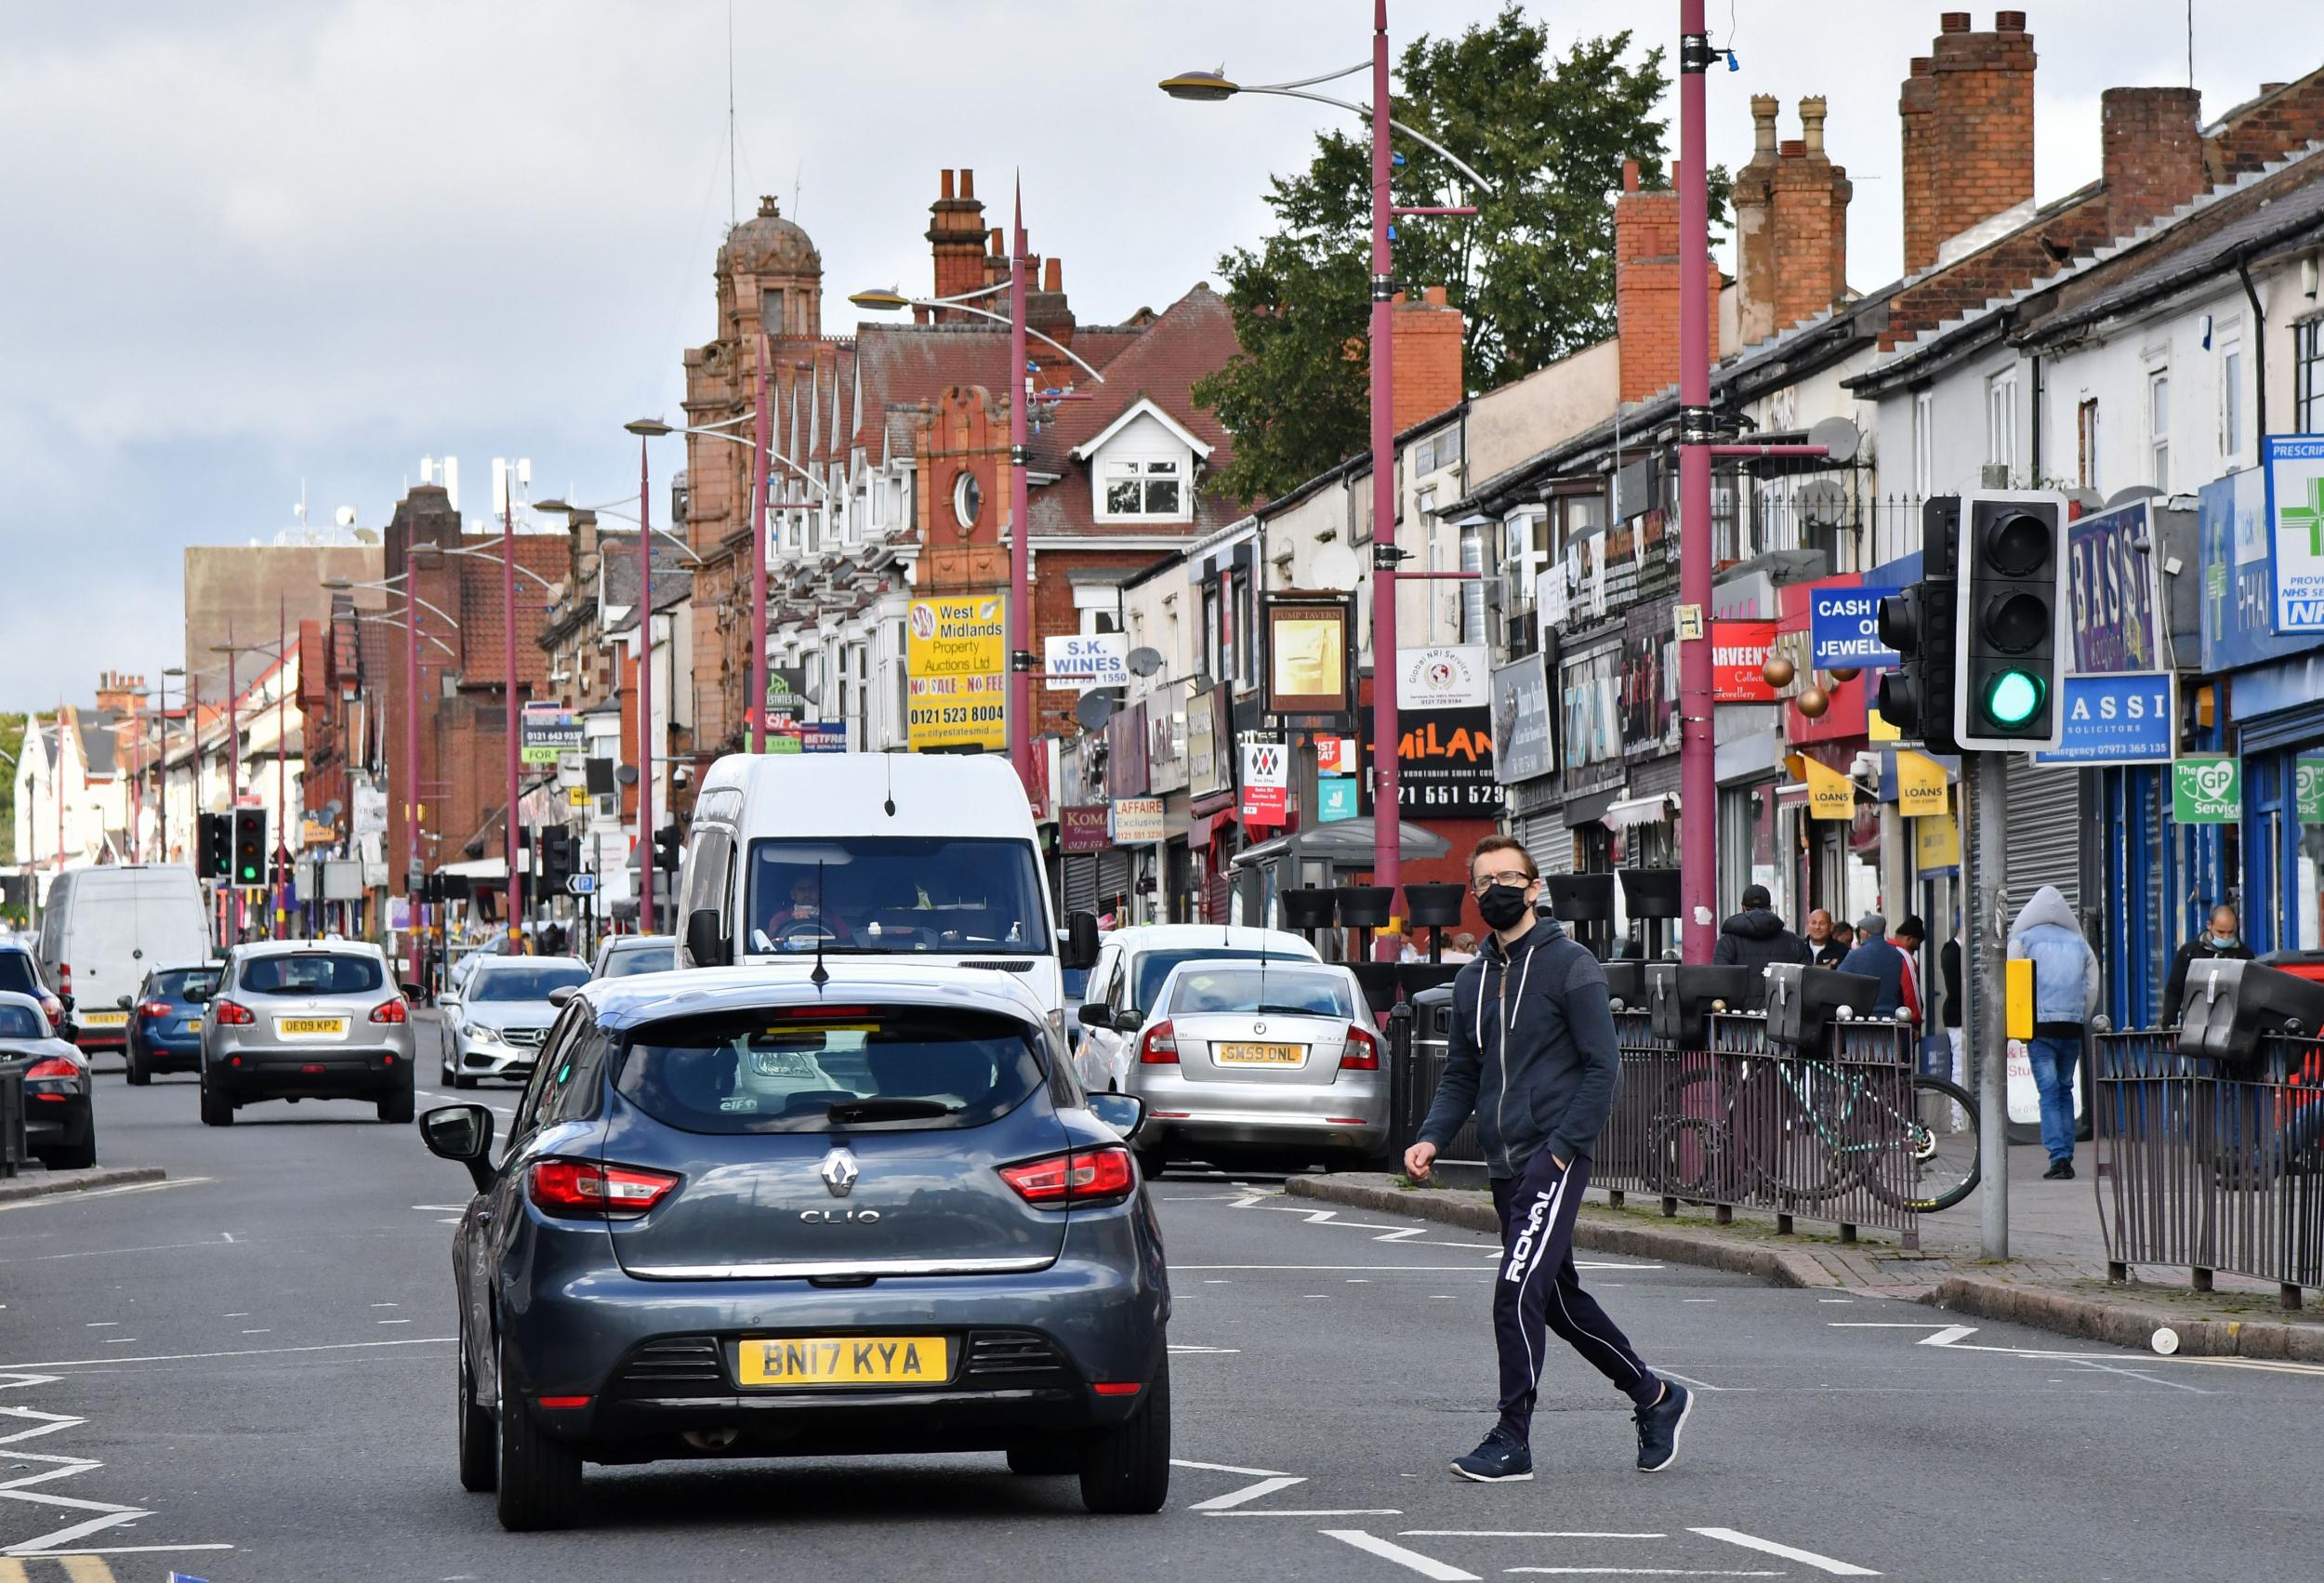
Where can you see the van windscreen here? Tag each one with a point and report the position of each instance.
(866, 894)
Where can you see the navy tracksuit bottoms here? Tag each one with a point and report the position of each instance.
(1536, 1287)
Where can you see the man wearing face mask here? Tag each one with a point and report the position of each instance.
(1531, 1052)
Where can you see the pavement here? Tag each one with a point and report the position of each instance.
(2056, 1278)
(244, 1372)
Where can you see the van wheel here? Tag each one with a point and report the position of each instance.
(1126, 1468)
(539, 1475)
(216, 1109)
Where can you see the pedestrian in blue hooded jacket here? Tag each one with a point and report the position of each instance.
(2066, 998)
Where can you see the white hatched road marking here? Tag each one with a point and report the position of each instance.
(1518, 1534)
(1642, 1572)
(1953, 1338)
(1788, 1552)
(1387, 1549)
(108, 1514)
(1263, 1488)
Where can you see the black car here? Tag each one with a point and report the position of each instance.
(59, 1129)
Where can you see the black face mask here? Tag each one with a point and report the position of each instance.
(1502, 905)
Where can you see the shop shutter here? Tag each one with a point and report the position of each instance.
(1081, 882)
(2044, 825)
(1113, 876)
(1546, 838)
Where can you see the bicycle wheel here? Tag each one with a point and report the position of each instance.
(1782, 1135)
(1690, 1144)
(1941, 1164)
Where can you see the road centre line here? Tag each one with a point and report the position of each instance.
(1318, 1511)
(1769, 1547)
(1518, 1534)
(1248, 1493)
(1485, 1269)
(1641, 1571)
(1387, 1549)
(243, 1352)
(1699, 1384)
(107, 1549)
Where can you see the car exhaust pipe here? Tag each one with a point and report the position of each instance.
(711, 1439)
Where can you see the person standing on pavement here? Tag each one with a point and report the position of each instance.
(1824, 951)
(1948, 977)
(1756, 937)
(2066, 998)
(1876, 956)
(1531, 1053)
(2222, 938)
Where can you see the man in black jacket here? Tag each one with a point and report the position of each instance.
(2224, 938)
(1531, 1051)
(1755, 937)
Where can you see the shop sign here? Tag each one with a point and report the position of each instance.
(956, 661)
(1589, 746)
(1335, 798)
(1739, 655)
(1336, 756)
(547, 731)
(1138, 821)
(1522, 748)
(2110, 592)
(1650, 682)
(2308, 780)
(1309, 656)
(1844, 628)
(1920, 784)
(1209, 769)
(1079, 660)
(2206, 790)
(1444, 765)
(1081, 827)
(2293, 466)
(1831, 795)
(1266, 783)
(786, 689)
(1936, 843)
(2117, 719)
(1442, 677)
(2238, 576)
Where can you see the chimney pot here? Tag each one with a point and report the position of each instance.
(1811, 113)
(1794, 148)
(994, 243)
(2009, 21)
(968, 182)
(1629, 176)
(1763, 108)
(1923, 65)
(944, 185)
(1953, 21)
(1052, 275)
(1433, 294)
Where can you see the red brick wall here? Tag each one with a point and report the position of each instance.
(1646, 288)
(955, 236)
(1981, 134)
(1425, 341)
(2153, 158)
(1915, 109)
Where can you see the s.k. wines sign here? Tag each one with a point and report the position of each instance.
(1444, 764)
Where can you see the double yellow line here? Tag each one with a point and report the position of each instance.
(48, 1569)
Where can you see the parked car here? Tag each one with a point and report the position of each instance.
(19, 974)
(1274, 1063)
(618, 956)
(306, 1020)
(693, 1151)
(165, 1024)
(60, 1127)
(502, 1013)
(100, 930)
(1130, 966)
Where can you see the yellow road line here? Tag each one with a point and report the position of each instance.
(86, 1569)
(12, 1570)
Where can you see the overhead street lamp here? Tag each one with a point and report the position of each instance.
(648, 429)
(561, 509)
(1021, 660)
(1209, 88)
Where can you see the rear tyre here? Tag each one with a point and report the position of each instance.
(479, 1440)
(1048, 1460)
(79, 1157)
(539, 1476)
(1152, 1162)
(397, 1108)
(216, 1109)
(1126, 1468)
(139, 1074)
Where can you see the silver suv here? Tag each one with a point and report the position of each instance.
(302, 1020)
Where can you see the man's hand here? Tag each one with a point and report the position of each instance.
(1416, 1160)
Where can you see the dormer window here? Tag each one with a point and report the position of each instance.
(1146, 489)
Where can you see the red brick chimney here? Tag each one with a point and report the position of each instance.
(1646, 286)
(955, 235)
(2153, 142)
(1791, 225)
(1426, 339)
(1969, 135)
(119, 691)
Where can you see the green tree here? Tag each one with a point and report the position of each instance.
(1533, 270)
(11, 746)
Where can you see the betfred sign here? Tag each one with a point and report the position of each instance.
(1739, 655)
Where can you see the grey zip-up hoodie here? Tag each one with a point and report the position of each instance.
(1531, 1051)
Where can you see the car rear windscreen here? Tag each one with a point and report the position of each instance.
(514, 982)
(21, 1022)
(821, 1069)
(641, 959)
(312, 972)
(180, 983)
(1154, 967)
(1251, 988)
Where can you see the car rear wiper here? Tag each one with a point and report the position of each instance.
(890, 1110)
(1291, 1010)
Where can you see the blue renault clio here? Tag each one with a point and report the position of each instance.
(753, 1213)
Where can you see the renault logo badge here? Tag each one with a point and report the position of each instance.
(839, 1172)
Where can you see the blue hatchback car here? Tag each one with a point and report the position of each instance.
(165, 1021)
(741, 1213)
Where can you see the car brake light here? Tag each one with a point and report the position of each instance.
(155, 1010)
(584, 1187)
(51, 1069)
(1089, 1177)
(1361, 1052)
(64, 978)
(1159, 1048)
(389, 1012)
(230, 1015)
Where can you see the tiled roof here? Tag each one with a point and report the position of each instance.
(905, 363)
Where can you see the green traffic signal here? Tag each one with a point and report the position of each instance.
(2013, 698)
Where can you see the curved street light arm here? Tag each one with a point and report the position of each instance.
(1366, 110)
(1003, 319)
(1304, 82)
(486, 553)
(771, 452)
(398, 620)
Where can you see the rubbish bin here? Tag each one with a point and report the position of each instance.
(12, 1116)
(1461, 1162)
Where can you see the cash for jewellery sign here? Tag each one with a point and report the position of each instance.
(547, 734)
(1843, 626)
(2294, 470)
(2206, 790)
(955, 655)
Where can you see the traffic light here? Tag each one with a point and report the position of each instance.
(215, 833)
(557, 857)
(666, 848)
(1917, 697)
(250, 853)
(2010, 643)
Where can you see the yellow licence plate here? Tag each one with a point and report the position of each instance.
(847, 1360)
(1262, 1055)
(193, 1024)
(104, 1019)
(311, 1025)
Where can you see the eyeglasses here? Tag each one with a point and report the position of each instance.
(1516, 876)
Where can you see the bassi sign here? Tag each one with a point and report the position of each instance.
(2207, 790)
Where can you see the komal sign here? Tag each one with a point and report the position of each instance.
(2294, 469)
(1843, 626)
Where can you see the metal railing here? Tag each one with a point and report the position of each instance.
(12, 1150)
(2211, 1168)
(1743, 1125)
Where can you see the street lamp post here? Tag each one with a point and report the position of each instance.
(508, 693)
(645, 429)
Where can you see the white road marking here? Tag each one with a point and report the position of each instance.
(2136, 1374)
(1699, 1300)
(119, 1342)
(1228, 1468)
(1948, 1335)
(1175, 1346)
(1639, 1572)
(1248, 1493)
(1320, 1511)
(228, 1235)
(1485, 1269)
(113, 1550)
(1404, 1235)
(243, 1352)
(101, 1323)
(244, 1314)
(1519, 1534)
(52, 1198)
(393, 1322)
(1387, 1549)
(1699, 1384)
(1769, 1547)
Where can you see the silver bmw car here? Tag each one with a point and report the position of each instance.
(305, 1020)
(502, 1013)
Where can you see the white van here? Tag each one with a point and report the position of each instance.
(104, 928)
(933, 856)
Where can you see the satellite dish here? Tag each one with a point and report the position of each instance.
(2132, 492)
(344, 516)
(1144, 662)
(627, 774)
(367, 535)
(1821, 504)
(1097, 707)
(1838, 438)
(1334, 567)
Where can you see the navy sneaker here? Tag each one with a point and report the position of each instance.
(1500, 1460)
(1659, 1427)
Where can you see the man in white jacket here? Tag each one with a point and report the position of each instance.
(2066, 998)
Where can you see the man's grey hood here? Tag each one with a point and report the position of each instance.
(2046, 906)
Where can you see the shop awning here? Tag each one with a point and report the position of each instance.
(1641, 811)
(494, 869)
(1346, 843)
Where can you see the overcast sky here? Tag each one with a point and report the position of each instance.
(254, 243)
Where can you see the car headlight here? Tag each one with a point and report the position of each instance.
(476, 1034)
(1057, 1021)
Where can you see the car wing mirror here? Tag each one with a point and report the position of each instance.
(1094, 1015)
(198, 996)
(1081, 940)
(1125, 1113)
(463, 1133)
(124, 1003)
(563, 993)
(1129, 1020)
